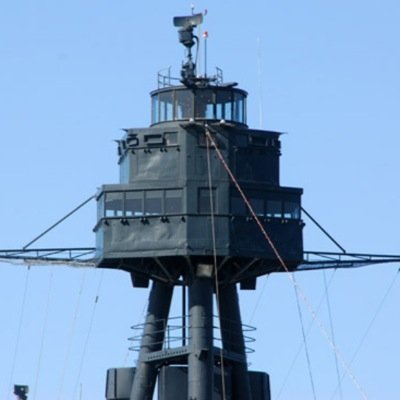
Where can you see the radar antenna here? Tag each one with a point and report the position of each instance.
(188, 39)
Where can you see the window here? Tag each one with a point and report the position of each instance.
(274, 209)
(238, 108)
(154, 110)
(224, 105)
(183, 104)
(173, 202)
(291, 210)
(204, 200)
(139, 203)
(204, 104)
(153, 202)
(258, 206)
(114, 204)
(133, 204)
(238, 206)
(166, 106)
(100, 206)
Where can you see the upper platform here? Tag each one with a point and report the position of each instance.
(199, 103)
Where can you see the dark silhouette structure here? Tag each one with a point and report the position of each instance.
(177, 219)
(199, 206)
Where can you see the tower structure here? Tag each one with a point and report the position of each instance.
(177, 218)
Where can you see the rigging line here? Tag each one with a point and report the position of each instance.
(96, 299)
(323, 230)
(305, 343)
(71, 335)
(283, 264)
(378, 310)
(300, 347)
(21, 317)
(59, 222)
(215, 262)
(44, 328)
(328, 304)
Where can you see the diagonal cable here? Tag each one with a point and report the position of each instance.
(371, 323)
(283, 264)
(305, 343)
(58, 222)
(328, 303)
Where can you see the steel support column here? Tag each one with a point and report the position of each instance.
(233, 340)
(152, 340)
(200, 360)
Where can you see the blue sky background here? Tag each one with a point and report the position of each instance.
(73, 73)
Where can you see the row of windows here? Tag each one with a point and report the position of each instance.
(266, 208)
(139, 203)
(205, 104)
(170, 201)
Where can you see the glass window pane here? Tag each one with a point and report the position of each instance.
(204, 200)
(291, 210)
(274, 209)
(224, 105)
(183, 104)
(154, 110)
(204, 104)
(134, 204)
(166, 106)
(114, 204)
(219, 111)
(258, 206)
(238, 106)
(100, 207)
(153, 202)
(238, 207)
(173, 202)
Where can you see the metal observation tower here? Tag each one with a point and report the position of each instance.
(179, 217)
(199, 206)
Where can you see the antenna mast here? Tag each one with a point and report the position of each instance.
(188, 39)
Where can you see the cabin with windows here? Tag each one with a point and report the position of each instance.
(174, 190)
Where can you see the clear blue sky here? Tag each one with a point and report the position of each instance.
(73, 73)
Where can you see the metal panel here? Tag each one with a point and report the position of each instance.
(172, 384)
(119, 383)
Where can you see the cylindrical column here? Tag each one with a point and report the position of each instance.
(200, 361)
(233, 340)
(152, 340)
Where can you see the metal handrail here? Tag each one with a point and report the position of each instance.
(171, 339)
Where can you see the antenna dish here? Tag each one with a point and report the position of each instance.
(186, 24)
(188, 21)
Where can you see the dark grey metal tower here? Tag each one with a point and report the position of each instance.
(177, 219)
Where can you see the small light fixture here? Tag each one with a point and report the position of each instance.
(204, 270)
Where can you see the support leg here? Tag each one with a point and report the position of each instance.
(233, 340)
(152, 340)
(201, 362)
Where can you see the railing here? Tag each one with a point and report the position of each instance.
(176, 334)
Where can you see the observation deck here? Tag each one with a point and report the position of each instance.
(201, 103)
